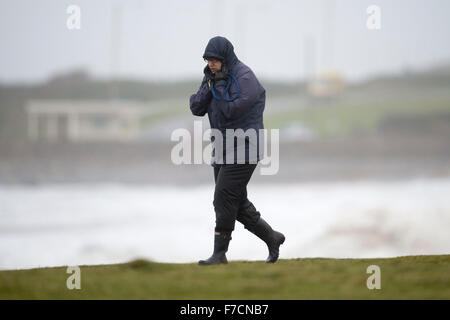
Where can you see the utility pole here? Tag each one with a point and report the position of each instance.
(329, 8)
(309, 57)
(115, 46)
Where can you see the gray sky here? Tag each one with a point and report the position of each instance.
(165, 39)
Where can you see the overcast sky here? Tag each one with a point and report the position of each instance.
(165, 39)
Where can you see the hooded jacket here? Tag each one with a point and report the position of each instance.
(244, 112)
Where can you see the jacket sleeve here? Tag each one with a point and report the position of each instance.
(246, 99)
(199, 101)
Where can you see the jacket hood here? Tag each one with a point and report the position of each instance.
(222, 49)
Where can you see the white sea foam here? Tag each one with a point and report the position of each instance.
(55, 225)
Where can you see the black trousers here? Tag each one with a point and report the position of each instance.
(230, 197)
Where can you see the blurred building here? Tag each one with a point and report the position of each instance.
(86, 120)
(327, 84)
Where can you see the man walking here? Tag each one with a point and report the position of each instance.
(234, 99)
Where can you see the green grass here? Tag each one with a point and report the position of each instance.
(411, 277)
(170, 109)
(346, 116)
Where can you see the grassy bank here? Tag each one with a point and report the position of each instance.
(345, 116)
(412, 277)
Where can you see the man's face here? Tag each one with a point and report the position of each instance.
(214, 64)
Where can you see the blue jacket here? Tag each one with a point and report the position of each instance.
(245, 112)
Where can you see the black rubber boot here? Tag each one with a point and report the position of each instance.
(272, 238)
(221, 241)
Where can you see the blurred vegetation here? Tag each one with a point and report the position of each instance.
(352, 114)
(78, 85)
(411, 277)
(363, 107)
